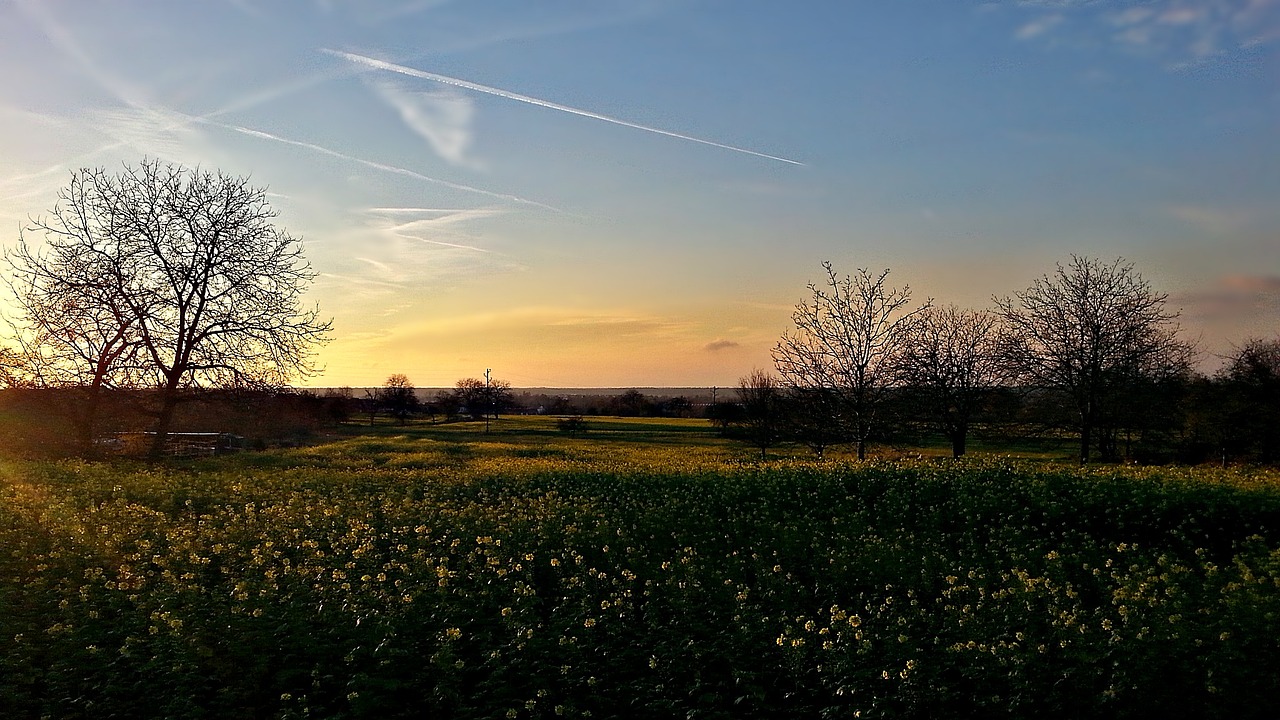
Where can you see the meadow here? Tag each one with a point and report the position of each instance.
(648, 568)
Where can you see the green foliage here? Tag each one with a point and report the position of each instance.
(410, 575)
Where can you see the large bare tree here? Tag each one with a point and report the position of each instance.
(843, 338)
(948, 361)
(73, 328)
(185, 269)
(1090, 330)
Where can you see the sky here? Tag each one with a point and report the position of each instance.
(601, 193)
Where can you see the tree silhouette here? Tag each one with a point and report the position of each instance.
(842, 342)
(763, 420)
(167, 277)
(948, 363)
(1089, 330)
(74, 327)
(399, 398)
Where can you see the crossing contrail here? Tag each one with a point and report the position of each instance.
(411, 72)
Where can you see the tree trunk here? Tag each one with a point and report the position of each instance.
(958, 444)
(88, 423)
(1086, 437)
(164, 421)
(862, 449)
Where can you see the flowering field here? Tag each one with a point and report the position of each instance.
(526, 575)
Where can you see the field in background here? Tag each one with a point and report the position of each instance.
(605, 435)
(649, 568)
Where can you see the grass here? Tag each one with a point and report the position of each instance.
(647, 569)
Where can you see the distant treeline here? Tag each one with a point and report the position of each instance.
(1232, 416)
(48, 421)
(1228, 418)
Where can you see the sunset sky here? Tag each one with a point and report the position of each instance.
(636, 192)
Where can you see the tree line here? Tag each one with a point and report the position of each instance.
(471, 398)
(1089, 349)
(475, 399)
(159, 283)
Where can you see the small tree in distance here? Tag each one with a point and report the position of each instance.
(763, 421)
(631, 403)
(483, 399)
(398, 397)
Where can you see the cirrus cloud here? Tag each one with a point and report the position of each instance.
(1177, 32)
(441, 117)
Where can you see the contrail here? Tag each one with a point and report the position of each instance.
(376, 165)
(382, 65)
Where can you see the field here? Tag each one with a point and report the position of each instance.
(647, 569)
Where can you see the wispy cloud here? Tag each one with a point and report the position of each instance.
(154, 132)
(410, 210)
(422, 74)
(1214, 221)
(718, 345)
(1255, 284)
(435, 226)
(138, 123)
(404, 248)
(621, 324)
(1235, 297)
(1175, 32)
(405, 10)
(441, 118)
(39, 14)
(1038, 27)
(381, 267)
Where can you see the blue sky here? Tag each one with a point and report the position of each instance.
(602, 193)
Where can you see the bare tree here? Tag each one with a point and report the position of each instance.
(842, 342)
(816, 418)
(483, 399)
(948, 362)
(10, 368)
(74, 328)
(631, 403)
(1090, 330)
(193, 273)
(398, 397)
(1248, 401)
(763, 419)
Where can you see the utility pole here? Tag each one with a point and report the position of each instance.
(488, 399)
